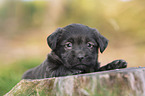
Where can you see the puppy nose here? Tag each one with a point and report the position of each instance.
(80, 57)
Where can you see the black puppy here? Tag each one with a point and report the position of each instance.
(74, 51)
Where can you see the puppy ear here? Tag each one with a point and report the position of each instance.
(101, 40)
(53, 38)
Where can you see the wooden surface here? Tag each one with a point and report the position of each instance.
(120, 82)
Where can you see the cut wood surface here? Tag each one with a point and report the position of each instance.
(120, 82)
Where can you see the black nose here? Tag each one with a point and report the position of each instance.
(80, 57)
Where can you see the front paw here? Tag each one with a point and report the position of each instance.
(75, 72)
(117, 64)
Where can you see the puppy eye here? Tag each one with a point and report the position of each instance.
(90, 44)
(68, 45)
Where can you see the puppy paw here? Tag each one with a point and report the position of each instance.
(75, 72)
(117, 64)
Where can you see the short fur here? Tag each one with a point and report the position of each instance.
(74, 51)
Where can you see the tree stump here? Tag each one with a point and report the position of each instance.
(120, 82)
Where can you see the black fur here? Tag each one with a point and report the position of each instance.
(74, 51)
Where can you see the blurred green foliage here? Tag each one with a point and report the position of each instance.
(113, 17)
(120, 21)
(11, 75)
(21, 16)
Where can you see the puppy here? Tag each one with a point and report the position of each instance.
(74, 51)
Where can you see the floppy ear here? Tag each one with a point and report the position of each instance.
(101, 40)
(53, 38)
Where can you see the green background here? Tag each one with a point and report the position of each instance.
(25, 25)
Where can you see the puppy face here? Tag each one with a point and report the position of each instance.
(77, 46)
(78, 51)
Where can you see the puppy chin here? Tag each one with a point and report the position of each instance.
(82, 67)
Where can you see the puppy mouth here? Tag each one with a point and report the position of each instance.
(79, 65)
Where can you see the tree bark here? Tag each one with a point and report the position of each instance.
(120, 82)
